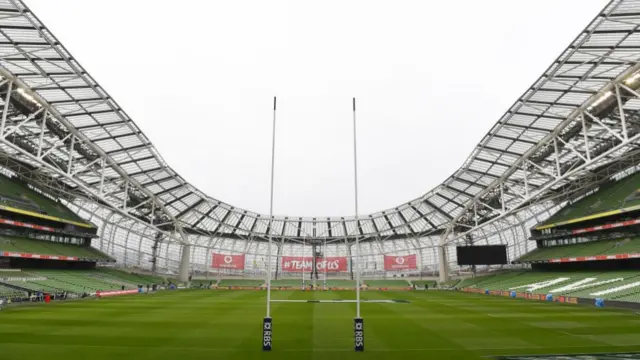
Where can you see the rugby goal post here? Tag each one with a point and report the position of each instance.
(358, 322)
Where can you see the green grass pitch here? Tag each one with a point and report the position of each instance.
(207, 324)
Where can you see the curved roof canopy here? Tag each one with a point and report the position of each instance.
(62, 126)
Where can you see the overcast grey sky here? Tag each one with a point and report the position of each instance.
(430, 78)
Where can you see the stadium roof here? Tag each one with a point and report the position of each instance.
(566, 124)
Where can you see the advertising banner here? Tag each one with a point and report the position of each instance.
(115, 293)
(26, 225)
(38, 256)
(393, 263)
(596, 258)
(234, 262)
(300, 264)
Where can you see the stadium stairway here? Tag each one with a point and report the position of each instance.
(422, 283)
(613, 285)
(615, 281)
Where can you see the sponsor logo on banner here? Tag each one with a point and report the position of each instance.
(529, 296)
(266, 334)
(358, 334)
(407, 262)
(606, 226)
(328, 264)
(220, 261)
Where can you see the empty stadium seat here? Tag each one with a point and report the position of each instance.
(76, 281)
(603, 247)
(10, 293)
(614, 195)
(585, 284)
(16, 194)
(43, 247)
(130, 277)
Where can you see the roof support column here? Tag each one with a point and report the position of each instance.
(585, 134)
(557, 157)
(422, 259)
(105, 224)
(184, 263)
(475, 206)
(526, 180)
(443, 265)
(623, 121)
(166, 257)
(140, 253)
(41, 135)
(5, 110)
(126, 243)
(71, 146)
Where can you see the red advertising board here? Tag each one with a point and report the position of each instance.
(115, 293)
(38, 256)
(607, 226)
(408, 262)
(26, 225)
(234, 262)
(300, 264)
(596, 258)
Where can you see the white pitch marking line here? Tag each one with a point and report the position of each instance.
(334, 301)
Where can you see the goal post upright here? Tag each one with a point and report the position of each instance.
(358, 324)
(267, 321)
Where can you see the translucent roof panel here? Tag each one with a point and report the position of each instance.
(113, 160)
